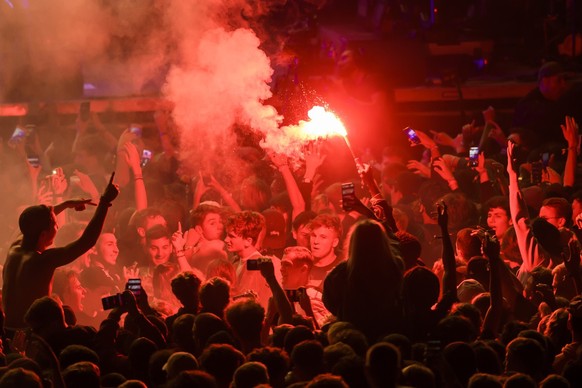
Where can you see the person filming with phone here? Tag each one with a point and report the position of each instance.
(30, 264)
(243, 232)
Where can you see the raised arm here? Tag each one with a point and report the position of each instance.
(570, 132)
(295, 196)
(492, 318)
(449, 264)
(429, 144)
(122, 169)
(527, 243)
(379, 204)
(133, 160)
(281, 302)
(145, 327)
(65, 255)
(445, 172)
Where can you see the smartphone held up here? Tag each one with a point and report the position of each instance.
(411, 135)
(473, 156)
(348, 196)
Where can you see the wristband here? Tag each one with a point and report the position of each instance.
(138, 178)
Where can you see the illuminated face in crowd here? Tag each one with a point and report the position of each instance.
(74, 294)
(323, 241)
(107, 250)
(159, 250)
(234, 242)
(498, 220)
(212, 227)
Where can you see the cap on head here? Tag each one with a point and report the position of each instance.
(275, 225)
(550, 69)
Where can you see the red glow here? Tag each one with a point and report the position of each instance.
(322, 124)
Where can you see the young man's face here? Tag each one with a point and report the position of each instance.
(159, 250)
(212, 227)
(107, 250)
(234, 242)
(74, 294)
(323, 241)
(498, 220)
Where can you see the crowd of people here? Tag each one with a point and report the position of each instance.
(446, 271)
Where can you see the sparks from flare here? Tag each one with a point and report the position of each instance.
(323, 124)
(293, 139)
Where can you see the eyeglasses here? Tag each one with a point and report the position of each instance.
(550, 218)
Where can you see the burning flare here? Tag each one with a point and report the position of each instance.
(291, 140)
(323, 124)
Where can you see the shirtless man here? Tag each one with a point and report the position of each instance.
(30, 264)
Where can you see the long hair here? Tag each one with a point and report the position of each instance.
(372, 263)
(374, 278)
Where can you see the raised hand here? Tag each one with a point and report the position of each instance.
(126, 136)
(85, 183)
(443, 170)
(443, 138)
(510, 158)
(489, 114)
(58, 181)
(79, 204)
(442, 215)
(131, 272)
(129, 302)
(44, 195)
(111, 191)
(278, 160)
(313, 160)
(570, 132)
(178, 240)
(132, 157)
(267, 268)
(426, 140)
(418, 168)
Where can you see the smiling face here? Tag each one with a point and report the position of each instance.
(74, 294)
(106, 248)
(159, 250)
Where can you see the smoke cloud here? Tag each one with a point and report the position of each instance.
(209, 51)
(221, 80)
